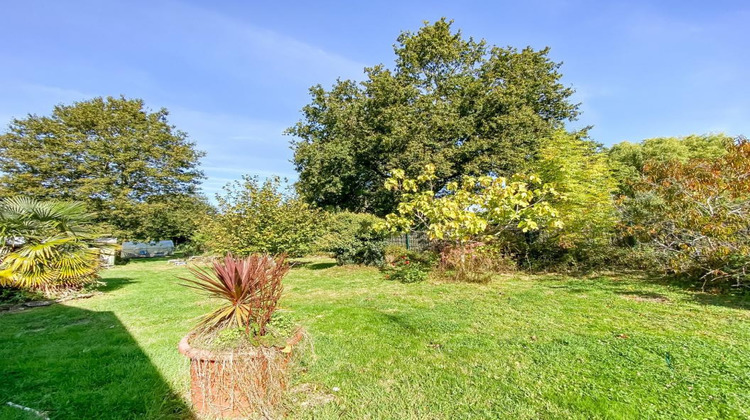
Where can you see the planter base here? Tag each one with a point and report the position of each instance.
(237, 384)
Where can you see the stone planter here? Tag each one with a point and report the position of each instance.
(238, 383)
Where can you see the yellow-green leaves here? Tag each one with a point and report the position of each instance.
(472, 207)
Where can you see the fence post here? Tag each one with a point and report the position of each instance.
(407, 241)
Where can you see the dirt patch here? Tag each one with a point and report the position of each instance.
(308, 395)
(653, 298)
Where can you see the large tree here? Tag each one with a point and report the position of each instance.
(463, 106)
(111, 153)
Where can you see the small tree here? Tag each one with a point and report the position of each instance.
(473, 209)
(580, 172)
(256, 217)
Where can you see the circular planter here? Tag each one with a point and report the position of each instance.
(238, 383)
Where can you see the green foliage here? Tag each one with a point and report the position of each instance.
(46, 245)
(254, 217)
(352, 239)
(175, 217)
(229, 338)
(696, 214)
(278, 330)
(472, 208)
(113, 154)
(407, 266)
(629, 159)
(461, 105)
(12, 295)
(425, 258)
(405, 270)
(581, 174)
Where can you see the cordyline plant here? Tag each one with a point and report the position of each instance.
(250, 288)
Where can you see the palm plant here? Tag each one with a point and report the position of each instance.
(46, 244)
(250, 289)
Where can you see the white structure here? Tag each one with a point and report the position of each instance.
(145, 250)
(107, 250)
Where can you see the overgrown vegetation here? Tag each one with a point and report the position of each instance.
(695, 214)
(407, 266)
(475, 209)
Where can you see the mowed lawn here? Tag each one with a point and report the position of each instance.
(522, 347)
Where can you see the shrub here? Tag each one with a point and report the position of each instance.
(473, 209)
(407, 266)
(249, 289)
(425, 258)
(696, 215)
(352, 239)
(12, 295)
(406, 271)
(260, 218)
(46, 245)
(474, 262)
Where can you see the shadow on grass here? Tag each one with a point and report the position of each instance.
(739, 300)
(111, 284)
(643, 296)
(311, 265)
(73, 364)
(636, 284)
(401, 321)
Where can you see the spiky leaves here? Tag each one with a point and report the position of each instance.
(249, 288)
(46, 244)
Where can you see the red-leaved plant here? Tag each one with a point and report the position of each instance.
(250, 288)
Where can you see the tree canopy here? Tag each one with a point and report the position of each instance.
(463, 106)
(111, 153)
(629, 159)
(254, 216)
(580, 172)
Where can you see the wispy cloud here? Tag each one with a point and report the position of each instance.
(216, 40)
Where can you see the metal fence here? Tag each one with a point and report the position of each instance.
(414, 241)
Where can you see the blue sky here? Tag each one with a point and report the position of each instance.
(234, 75)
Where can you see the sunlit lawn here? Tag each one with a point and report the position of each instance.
(519, 347)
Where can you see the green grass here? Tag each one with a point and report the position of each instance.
(520, 347)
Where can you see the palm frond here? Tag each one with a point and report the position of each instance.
(45, 244)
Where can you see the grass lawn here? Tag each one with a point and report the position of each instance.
(519, 347)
